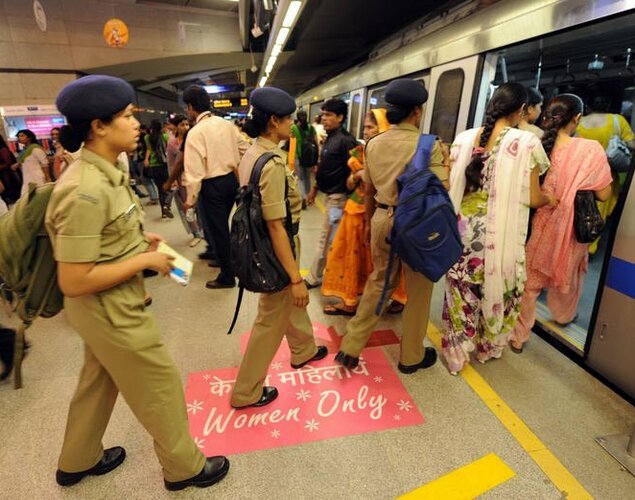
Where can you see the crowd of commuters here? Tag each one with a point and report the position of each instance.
(522, 157)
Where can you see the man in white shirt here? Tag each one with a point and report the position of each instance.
(213, 150)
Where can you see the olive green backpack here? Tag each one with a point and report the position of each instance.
(27, 266)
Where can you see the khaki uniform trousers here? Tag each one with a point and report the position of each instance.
(416, 311)
(124, 353)
(277, 317)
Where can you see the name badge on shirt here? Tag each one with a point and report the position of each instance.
(129, 211)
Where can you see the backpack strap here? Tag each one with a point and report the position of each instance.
(241, 291)
(421, 158)
(420, 162)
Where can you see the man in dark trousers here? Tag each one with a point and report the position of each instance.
(330, 178)
(213, 151)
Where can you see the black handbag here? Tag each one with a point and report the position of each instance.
(587, 221)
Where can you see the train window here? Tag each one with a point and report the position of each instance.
(353, 112)
(447, 102)
(377, 98)
(314, 110)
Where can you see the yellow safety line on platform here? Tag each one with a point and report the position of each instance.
(539, 453)
(320, 205)
(467, 482)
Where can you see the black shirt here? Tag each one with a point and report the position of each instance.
(333, 166)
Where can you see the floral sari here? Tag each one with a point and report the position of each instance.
(483, 289)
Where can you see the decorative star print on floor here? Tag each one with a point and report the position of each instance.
(404, 405)
(312, 425)
(194, 406)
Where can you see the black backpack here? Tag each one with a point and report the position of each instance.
(309, 155)
(253, 260)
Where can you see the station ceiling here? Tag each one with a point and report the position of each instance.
(329, 37)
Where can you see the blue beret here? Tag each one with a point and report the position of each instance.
(94, 96)
(272, 100)
(406, 92)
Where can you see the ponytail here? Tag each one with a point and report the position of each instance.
(475, 167)
(507, 99)
(560, 111)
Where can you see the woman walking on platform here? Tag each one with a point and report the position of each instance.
(33, 160)
(95, 222)
(494, 180)
(555, 259)
(281, 313)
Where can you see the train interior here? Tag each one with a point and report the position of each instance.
(581, 61)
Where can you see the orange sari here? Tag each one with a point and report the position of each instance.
(349, 263)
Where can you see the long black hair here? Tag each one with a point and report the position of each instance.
(3, 144)
(156, 134)
(559, 112)
(29, 133)
(507, 98)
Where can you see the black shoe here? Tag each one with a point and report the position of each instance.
(113, 458)
(269, 394)
(215, 469)
(304, 205)
(207, 255)
(148, 273)
(429, 358)
(147, 302)
(311, 285)
(140, 194)
(217, 284)
(320, 354)
(346, 360)
(166, 212)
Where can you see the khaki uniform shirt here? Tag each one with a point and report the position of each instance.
(93, 215)
(387, 156)
(272, 181)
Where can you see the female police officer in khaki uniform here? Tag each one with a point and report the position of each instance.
(96, 226)
(282, 312)
(387, 155)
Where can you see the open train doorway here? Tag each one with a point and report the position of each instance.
(600, 68)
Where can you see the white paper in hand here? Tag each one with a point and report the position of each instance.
(182, 267)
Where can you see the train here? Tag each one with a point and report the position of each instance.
(560, 46)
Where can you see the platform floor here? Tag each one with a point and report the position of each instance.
(561, 405)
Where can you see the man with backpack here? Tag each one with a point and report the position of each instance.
(387, 155)
(306, 156)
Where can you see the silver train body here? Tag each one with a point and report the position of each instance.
(460, 57)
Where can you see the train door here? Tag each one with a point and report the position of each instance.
(450, 97)
(355, 113)
(612, 348)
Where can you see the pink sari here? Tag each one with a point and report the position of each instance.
(553, 253)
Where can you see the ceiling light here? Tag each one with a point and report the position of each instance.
(262, 82)
(292, 13)
(276, 50)
(282, 36)
(270, 64)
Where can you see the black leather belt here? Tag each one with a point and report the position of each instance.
(384, 206)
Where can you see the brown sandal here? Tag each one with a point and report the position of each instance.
(338, 310)
(395, 307)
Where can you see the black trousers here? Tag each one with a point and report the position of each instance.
(159, 175)
(218, 195)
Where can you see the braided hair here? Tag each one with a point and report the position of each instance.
(560, 111)
(507, 99)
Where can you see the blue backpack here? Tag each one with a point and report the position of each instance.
(425, 232)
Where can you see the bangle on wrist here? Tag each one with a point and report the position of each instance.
(298, 281)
